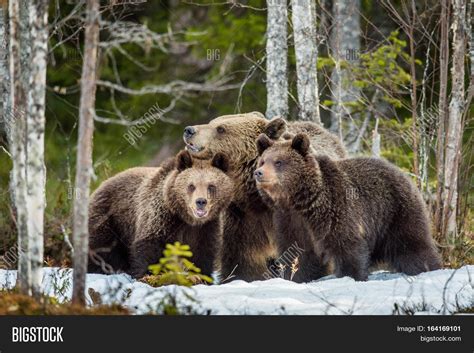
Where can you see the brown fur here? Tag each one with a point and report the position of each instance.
(323, 142)
(356, 212)
(134, 214)
(249, 241)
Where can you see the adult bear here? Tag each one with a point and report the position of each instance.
(133, 215)
(249, 238)
(357, 212)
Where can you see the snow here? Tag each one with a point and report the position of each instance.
(436, 292)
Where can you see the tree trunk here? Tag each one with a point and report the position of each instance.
(469, 29)
(18, 148)
(425, 129)
(306, 50)
(443, 111)
(35, 167)
(414, 99)
(84, 151)
(5, 104)
(25, 46)
(345, 45)
(277, 51)
(376, 139)
(4, 79)
(323, 25)
(454, 126)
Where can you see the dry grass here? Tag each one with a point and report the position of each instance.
(12, 303)
(459, 252)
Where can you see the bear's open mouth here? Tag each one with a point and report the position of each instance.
(200, 213)
(191, 147)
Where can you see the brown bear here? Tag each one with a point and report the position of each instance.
(248, 243)
(354, 212)
(134, 214)
(323, 142)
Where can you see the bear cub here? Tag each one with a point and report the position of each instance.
(134, 214)
(356, 212)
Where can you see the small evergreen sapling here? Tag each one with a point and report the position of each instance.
(176, 268)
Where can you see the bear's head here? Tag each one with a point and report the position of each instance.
(283, 165)
(233, 135)
(199, 190)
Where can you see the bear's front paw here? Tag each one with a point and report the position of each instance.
(138, 272)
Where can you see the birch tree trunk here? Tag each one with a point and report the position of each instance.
(3, 69)
(84, 151)
(5, 104)
(25, 47)
(469, 29)
(443, 112)
(345, 44)
(376, 139)
(35, 167)
(18, 148)
(306, 50)
(454, 126)
(277, 52)
(413, 94)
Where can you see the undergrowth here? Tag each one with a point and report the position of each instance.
(14, 303)
(175, 267)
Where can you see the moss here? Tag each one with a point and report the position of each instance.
(13, 303)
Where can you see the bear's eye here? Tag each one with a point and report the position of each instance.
(191, 188)
(211, 190)
(278, 164)
(220, 129)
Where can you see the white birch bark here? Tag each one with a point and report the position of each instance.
(25, 44)
(35, 167)
(345, 45)
(18, 150)
(376, 140)
(84, 151)
(277, 52)
(456, 110)
(306, 50)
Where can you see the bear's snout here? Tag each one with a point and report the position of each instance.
(201, 203)
(189, 131)
(258, 174)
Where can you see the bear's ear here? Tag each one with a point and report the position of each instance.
(183, 161)
(263, 142)
(301, 143)
(275, 128)
(220, 161)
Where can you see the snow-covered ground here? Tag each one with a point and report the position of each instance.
(437, 292)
